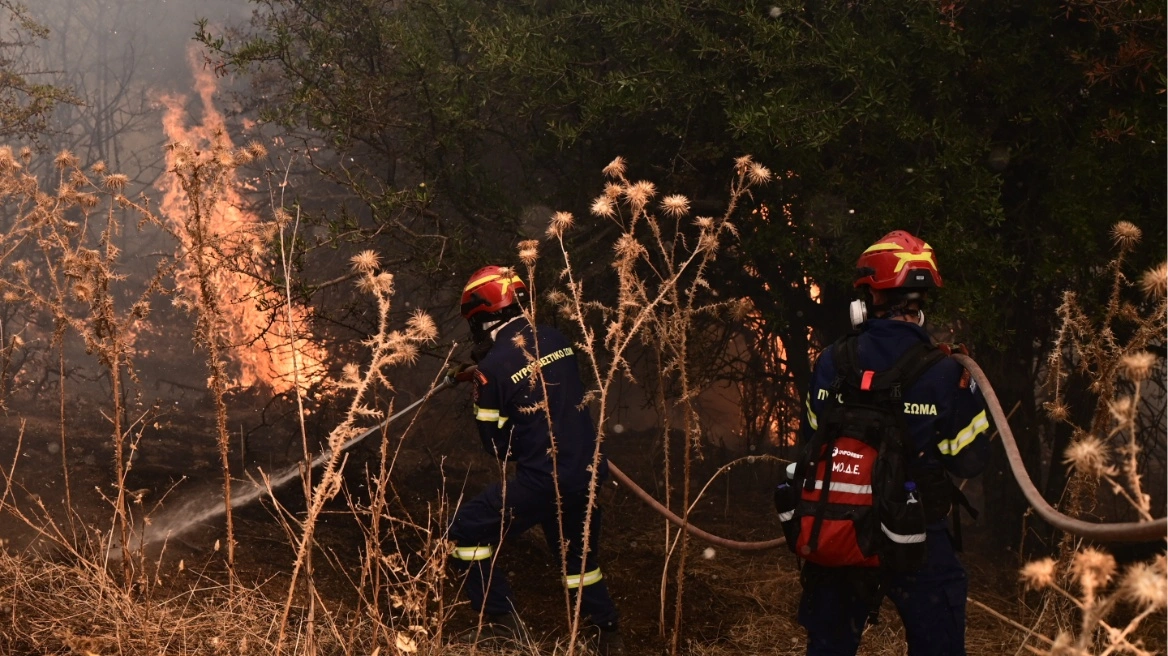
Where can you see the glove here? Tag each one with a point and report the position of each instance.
(950, 349)
(458, 372)
(957, 349)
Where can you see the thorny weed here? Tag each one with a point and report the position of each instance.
(84, 283)
(660, 259)
(1112, 353)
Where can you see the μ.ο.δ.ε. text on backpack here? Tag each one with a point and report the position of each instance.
(851, 500)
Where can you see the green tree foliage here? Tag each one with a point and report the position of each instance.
(1010, 135)
(25, 105)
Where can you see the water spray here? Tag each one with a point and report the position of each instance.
(182, 518)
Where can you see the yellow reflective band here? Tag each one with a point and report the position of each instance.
(471, 554)
(811, 418)
(885, 246)
(965, 436)
(486, 414)
(903, 258)
(587, 578)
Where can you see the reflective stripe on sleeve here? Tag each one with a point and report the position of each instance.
(965, 436)
(471, 554)
(811, 418)
(912, 538)
(574, 581)
(787, 516)
(486, 414)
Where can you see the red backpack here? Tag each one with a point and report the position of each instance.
(851, 501)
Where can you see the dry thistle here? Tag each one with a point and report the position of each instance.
(603, 206)
(1126, 234)
(98, 167)
(1088, 455)
(615, 168)
(256, 149)
(1056, 410)
(742, 164)
(1093, 569)
(116, 182)
(758, 174)
(26, 154)
(675, 205)
(640, 193)
(65, 160)
(366, 261)
(1038, 574)
(1155, 282)
(1137, 366)
(528, 251)
(613, 191)
(422, 327)
(561, 221)
(1144, 584)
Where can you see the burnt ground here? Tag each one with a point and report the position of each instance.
(734, 602)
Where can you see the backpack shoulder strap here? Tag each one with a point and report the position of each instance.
(847, 361)
(911, 365)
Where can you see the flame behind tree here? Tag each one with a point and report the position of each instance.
(260, 341)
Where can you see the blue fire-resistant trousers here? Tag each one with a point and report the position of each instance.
(837, 603)
(480, 523)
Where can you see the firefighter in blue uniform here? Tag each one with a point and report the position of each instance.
(553, 452)
(946, 421)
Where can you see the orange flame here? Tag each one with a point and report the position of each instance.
(266, 347)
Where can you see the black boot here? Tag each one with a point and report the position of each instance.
(609, 642)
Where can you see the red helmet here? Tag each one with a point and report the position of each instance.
(898, 260)
(491, 290)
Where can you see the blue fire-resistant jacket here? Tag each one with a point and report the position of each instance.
(506, 395)
(945, 414)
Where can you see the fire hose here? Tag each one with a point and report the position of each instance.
(1105, 532)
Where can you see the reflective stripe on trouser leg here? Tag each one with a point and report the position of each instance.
(574, 581)
(469, 554)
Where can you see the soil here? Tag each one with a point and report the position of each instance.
(734, 603)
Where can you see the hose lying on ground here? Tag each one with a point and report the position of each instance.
(1105, 532)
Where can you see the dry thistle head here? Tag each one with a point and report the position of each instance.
(365, 262)
(1093, 568)
(98, 167)
(116, 182)
(675, 206)
(26, 154)
(1088, 455)
(613, 191)
(1038, 574)
(615, 168)
(742, 164)
(1145, 585)
(1137, 366)
(758, 174)
(1126, 234)
(528, 251)
(241, 156)
(65, 160)
(422, 327)
(1155, 282)
(1056, 410)
(603, 206)
(561, 221)
(639, 194)
(256, 149)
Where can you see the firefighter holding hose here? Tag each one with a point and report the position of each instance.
(528, 406)
(888, 419)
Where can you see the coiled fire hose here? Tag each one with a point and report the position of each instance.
(1104, 532)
